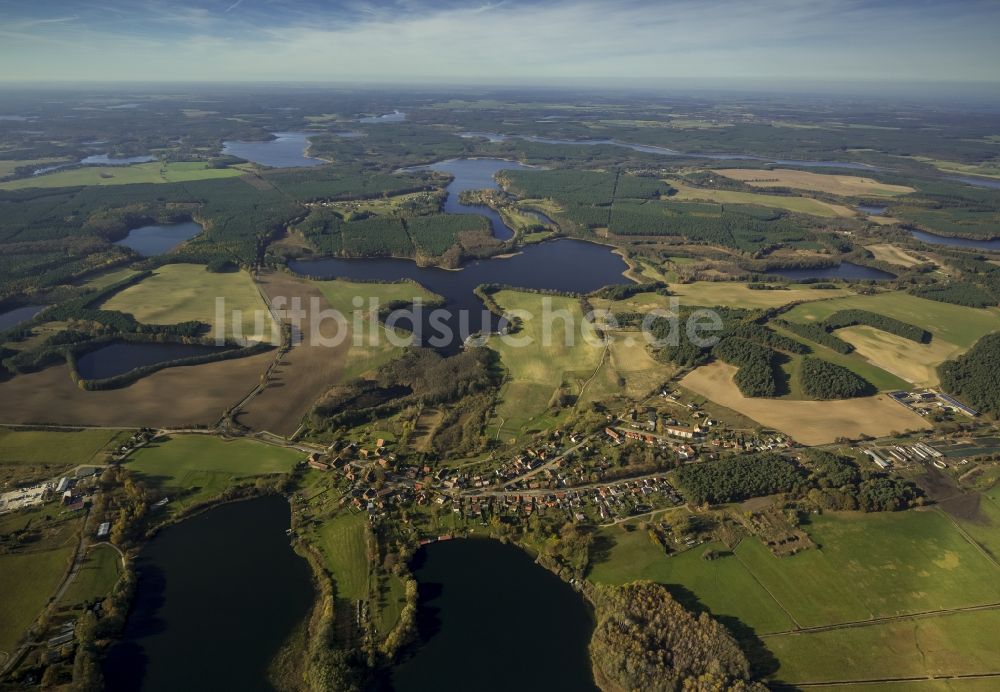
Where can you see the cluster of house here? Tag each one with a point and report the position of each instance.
(622, 499)
(134, 441)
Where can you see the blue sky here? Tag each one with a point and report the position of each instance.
(509, 41)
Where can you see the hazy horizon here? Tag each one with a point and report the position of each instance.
(638, 43)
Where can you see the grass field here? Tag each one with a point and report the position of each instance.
(8, 166)
(954, 644)
(893, 255)
(392, 598)
(956, 324)
(104, 279)
(723, 586)
(30, 577)
(546, 364)
(202, 466)
(846, 185)
(342, 540)
(154, 172)
(181, 292)
(802, 205)
(52, 447)
(808, 422)
(986, 170)
(867, 567)
(629, 370)
(96, 577)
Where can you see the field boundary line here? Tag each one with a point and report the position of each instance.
(915, 678)
(965, 534)
(883, 620)
(766, 590)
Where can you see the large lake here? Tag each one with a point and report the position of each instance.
(120, 357)
(475, 174)
(14, 317)
(491, 619)
(286, 150)
(845, 270)
(565, 265)
(159, 238)
(933, 239)
(217, 596)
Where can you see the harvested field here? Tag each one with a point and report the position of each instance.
(174, 397)
(885, 252)
(847, 185)
(808, 422)
(713, 293)
(916, 363)
(803, 205)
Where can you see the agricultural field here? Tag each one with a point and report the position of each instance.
(195, 468)
(802, 205)
(986, 170)
(548, 365)
(181, 292)
(310, 368)
(204, 392)
(629, 370)
(718, 293)
(956, 324)
(885, 252)
(153, 172)
(844, 185)
(808, 422)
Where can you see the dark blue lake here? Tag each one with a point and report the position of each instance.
(487, 613)
(217, 596)
(845, 270)
(286, 150)
(933, 239)
(14, 317)
(565, 265)
(120, 357)
(158, 239)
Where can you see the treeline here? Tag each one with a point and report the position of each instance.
(623, 291)
(957, 293)
(821, 379)
(817, 333)
(974, 376)
(645, 640)
(737, 478)
(850, 318)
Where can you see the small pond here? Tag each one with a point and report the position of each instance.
(158, 239)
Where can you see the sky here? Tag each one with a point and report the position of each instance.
(501, 42)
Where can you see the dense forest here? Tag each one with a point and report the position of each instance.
(736, 478)
(821, 379)
(974, 376)
(645, 640)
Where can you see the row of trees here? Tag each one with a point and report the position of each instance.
(817, 333)
(850, 318)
